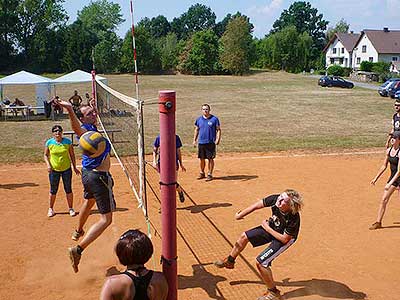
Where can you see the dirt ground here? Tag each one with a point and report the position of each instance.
(335, 257)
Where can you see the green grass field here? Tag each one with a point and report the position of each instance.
(265, 111)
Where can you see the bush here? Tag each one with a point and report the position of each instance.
(320, 72)
(336, 70)
(347, 72)
(366, 66)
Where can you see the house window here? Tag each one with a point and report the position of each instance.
(364, 49)
(341, 61)
(371, 59)
(332, 61)
(334, 50)
(358, 60)
(342, 50)
(394, 58)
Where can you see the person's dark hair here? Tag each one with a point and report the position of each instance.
(205, 104)
(56, 127)
(134, 248)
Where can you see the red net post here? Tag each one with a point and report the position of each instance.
(167, 108)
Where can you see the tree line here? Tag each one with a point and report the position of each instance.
(34, 35)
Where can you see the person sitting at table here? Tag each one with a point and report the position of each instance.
(18, 102)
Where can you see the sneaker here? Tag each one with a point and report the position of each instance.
(224, 263)
(376, 225)
(201, 175)
(181, 197)
(77, 234)
(268, 295)
(72, 213)
(209, 177)
(74, 257)
(51, 213)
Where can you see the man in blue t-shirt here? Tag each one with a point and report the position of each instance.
(96, 180)
(207, 134)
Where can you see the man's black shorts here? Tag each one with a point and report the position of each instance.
(98, 185)
(207, 151)
(257, 236)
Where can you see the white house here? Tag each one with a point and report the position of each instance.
(339, 50)
(377, 45)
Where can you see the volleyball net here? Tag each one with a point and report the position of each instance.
(121, 117)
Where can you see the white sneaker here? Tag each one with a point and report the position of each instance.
(50, 213)
(72, 213)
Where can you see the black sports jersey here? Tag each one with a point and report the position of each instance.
(396, 122)
(280, 222)
(141, 284)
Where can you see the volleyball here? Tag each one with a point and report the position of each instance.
(92, 143)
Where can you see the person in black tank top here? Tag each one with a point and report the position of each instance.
(134, 249)
(391, 158)
(395, 122)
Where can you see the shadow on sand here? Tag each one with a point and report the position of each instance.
(195, 209)
(322, 287)
(14, 186)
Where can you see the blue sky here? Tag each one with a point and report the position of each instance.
(360, 14)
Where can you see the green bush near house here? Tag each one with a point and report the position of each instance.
(336, 70)
(366, 66)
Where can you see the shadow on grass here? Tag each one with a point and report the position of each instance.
(236, 177)
(201, 278)
(14, 186)
(199, 208)
(325, 288)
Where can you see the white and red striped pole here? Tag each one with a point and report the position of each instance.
(134, 52)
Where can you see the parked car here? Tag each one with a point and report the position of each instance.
(328, 81)
(393, 89)
(383, 89)
(397, 95)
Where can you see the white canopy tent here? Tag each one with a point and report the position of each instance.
(77, 77)
(42, 84)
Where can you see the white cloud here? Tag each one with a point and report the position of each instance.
(268, 9)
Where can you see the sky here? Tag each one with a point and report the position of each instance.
(360, 14)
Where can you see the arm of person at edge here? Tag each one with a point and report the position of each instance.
(196, 135)
(73, 160)
(155, 152)
(387, 186)
(283, 238)
(390, 134)
(218, 138)
(382, 168)
(180, 159)
(242, 213)
(75, 123)
(46, 156)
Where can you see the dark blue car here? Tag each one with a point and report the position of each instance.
(335, 81)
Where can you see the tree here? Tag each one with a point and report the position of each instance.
(305, 18)
(200, 56)
(169, 51)
(341, 27)
(8, 25)
(198, 17)
(220, 27)
(107, 53)
(35, 18)
(101, 16)
(148, 53)
(159, 26)
(79, 43)
(236, 45)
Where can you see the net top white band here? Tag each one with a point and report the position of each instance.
(128, 100)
